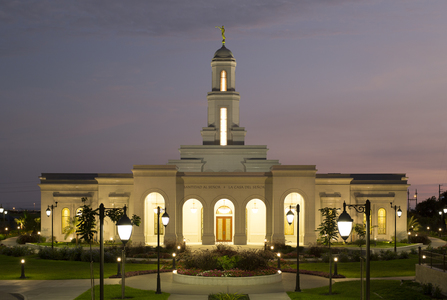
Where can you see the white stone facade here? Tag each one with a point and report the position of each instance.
(258, 192)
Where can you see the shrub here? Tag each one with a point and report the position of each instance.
(27, 238)
(343, 256)
(356, 255)
(388, 255)
(413, 251)
(437, 292)
(252, 259)
(316, 250)
(2, 237)
(224, 296)
(45, 253)
(427, 288)
(203, 259)
(374, 256)
(404, 255)
(224, 250)
(421, 238)
(227, 263)
(16, 251)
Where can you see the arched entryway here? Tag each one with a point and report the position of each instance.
(151, 202)
(224, 221)
(290, 231)
(255, 221)
(192, 214)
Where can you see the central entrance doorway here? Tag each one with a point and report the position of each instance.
(224, 228)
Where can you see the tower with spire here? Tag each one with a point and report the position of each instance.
(223, 148)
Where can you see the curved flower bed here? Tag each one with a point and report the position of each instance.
(227, 273)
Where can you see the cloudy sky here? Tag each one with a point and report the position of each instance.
(99, 86)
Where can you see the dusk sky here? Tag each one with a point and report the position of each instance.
(99, 86)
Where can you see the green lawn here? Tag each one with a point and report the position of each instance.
(73, 245)
(381, 268)
(44, 269)
(372, 245)
(380, 289)
(114, 292)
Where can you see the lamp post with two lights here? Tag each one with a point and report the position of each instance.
(398, 213)
(50, 212)
(165, 221)
(345, 228)
(290, 215)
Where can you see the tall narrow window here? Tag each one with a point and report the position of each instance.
(381, 221)
(65, 218)
(223, 126)
(223, 81)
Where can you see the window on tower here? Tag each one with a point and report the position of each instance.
(223, 81)
(223, 126)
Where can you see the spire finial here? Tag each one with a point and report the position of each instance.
(222, 29)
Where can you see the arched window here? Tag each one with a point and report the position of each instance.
(223, 81)
(381, 221)
(65, 218)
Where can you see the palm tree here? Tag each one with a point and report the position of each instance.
(71, 228)
(22, 220)
(413, 224)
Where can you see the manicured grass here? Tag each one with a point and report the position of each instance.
(73, 245)
(373, 245)
(114, 292)
(380, 289)
(43, 269)
(381, 268)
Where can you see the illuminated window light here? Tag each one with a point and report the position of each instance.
(193, 209)
(223, 81)
(223, 126)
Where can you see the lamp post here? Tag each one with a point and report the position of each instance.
(165, 221)
(50, 213)
(335, 265)
(173, 261)
(118, 262)
(124, 226)
(290, 215)
(345, 228)
(2, 211)
(23, 269)
(398, 213)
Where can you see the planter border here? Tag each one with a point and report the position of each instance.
(203, 280)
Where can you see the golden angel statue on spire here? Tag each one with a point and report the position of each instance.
(222, 29)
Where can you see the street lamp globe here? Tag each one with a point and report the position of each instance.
(445, 210)
(124, 226)
(399, 212)
(165, 218)
(48, 211)
(290, 215)
(344, 223)
(1, 209)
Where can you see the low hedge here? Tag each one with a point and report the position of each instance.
(249, 259)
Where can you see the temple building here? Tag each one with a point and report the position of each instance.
(224, 191)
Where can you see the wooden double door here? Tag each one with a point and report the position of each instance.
(224, 229)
